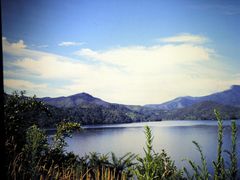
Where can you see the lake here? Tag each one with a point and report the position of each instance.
(174, 136)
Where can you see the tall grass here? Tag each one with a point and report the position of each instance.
(221, 172)
(154, 165)
(101, 173)
(233, 154)
(199, 172)
(219, 169)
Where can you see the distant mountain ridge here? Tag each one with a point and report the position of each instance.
(74, 100)
(204, 111)
(229, 97)
(86, 109)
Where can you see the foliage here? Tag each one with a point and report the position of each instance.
(199, 172)
(233, 170)
(154, 165)
(63, 129)
(35, 147)
(221, 172)
(20, 112)
(123, 164)
(233, 154)
(24, 164)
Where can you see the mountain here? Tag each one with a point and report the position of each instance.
(74, 100)
(203, 111)
(177, 103)
(229, 97)
(86, 109)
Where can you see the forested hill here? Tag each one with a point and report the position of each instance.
(86, 109)
(74, 100)
(229, 97)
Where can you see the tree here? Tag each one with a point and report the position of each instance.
(20, 112)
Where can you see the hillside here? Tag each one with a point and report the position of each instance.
(229, 97)
(203, 111)
(86, 109)
(96, 114)
(74, 100)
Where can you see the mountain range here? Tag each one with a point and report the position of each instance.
(86, 109)
(229, 97)
(74, 100)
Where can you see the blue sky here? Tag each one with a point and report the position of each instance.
(132, 52)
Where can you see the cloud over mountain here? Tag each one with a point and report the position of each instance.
(127, 74)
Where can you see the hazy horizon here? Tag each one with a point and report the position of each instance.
(128, 52)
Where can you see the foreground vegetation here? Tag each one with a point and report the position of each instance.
(31, 156)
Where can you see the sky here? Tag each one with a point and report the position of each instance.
(129, 52)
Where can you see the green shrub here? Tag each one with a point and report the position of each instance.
(198, 172)
(219, 169)
(221, 172)
(36, 146)
(64, 129)
(155, 165)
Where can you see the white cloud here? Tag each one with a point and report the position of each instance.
(70, 43)
(131, 75)
(32, 88)
(142, 58)
(185, 38)
(22, 84)
(18, 45)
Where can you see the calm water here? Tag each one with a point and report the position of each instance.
(174, 136)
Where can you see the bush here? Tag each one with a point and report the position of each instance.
(221, 172)
(155, 165)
